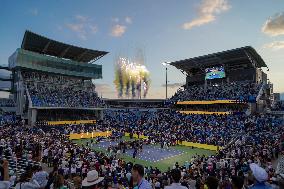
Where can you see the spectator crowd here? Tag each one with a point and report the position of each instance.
(60, 91)
(278, 106)
(172, 126)
(7, 117)
(244, 161)
(242, 90)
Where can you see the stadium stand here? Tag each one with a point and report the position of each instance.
(53, 76)
(241, 90)
(247, 144)
(7, 117)
(278, 106)
(60, 91)
(171, 126)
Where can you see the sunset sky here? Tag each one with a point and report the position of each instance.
(165, 30)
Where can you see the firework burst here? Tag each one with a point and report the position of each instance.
(131, 77)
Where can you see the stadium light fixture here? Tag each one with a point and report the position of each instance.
(165, 63)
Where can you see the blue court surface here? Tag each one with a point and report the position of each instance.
(149, 153)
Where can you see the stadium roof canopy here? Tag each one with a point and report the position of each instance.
(43, 45)
(243, 54)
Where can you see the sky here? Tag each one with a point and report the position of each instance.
(165, 30)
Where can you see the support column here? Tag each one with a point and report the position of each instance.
(33, 116)
(19, 93)
(101, 114)
(29, 116)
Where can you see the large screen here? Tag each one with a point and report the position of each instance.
(215, 72)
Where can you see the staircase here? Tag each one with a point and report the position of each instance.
(260, 91)
(234, 139)
(29, 97)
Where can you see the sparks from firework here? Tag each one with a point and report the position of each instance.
(131, 75)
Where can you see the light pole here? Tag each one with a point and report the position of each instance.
(166, 65)
(166, 82)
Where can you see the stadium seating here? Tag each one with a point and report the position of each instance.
(243, 90)
(59, 91)
(172, 126)
(6, 102)
(278, 106)
(18, 165)
(7, 117)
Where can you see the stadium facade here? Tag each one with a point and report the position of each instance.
(239, 64)
(42, 58)
(236, 65)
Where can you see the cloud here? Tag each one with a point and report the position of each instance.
(115, 19)
(33, 11)
(82, 27)
(207, 12)
(173, 85)
(81, 18)
(276, 45)
(59, 28)
(118, 30)
(79, 29)
(75, 27)
(93, 29)
(274, 26)
(128, 20)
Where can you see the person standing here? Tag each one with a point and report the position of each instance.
(134, 153)
(138, 178)
(176, 176)
(237, 182)
(41, 177)
(260, 177)
(26, 182)
(4, 175)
